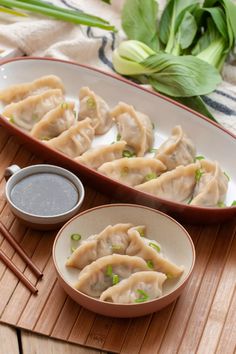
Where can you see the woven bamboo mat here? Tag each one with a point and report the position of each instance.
(200, 321)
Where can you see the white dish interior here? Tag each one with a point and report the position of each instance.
(211, 142)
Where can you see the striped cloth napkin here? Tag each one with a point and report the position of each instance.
(38, 36)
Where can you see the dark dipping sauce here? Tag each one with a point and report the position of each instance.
(45, 194)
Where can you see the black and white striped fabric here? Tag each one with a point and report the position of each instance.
(38, 36)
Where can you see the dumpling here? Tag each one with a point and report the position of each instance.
(94, 107)
(177, 150)
(133, 170)
(55, 122)
(139, 287)
(26, 113)
(19, 92)
(106, 271)
(176, 185)
(211, 186)
(134, 127)
(150, 251)
(98, 155)
(74, 141)
(113, 239)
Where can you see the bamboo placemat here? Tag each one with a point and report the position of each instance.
(201, 321)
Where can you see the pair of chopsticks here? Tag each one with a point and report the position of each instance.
(24, 256)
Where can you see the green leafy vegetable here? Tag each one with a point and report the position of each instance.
(59, 13)
(139, 21)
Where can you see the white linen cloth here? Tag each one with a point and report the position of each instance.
(41, 36)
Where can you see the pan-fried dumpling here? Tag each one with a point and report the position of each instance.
(211, 186)
(55, 122)
(94, 107)
(98, 155)
(176, 185)
(134, 127)
(107, 271)
(150, 251)
(139, 287)
(19, 92)
(28, 112)
(133, 170)
(177, 150)
(74, 141)
(113, 239)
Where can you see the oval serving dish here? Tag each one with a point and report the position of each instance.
(174, 241)
(163, 112)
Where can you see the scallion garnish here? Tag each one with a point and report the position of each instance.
(143, 296)
(153, 150)
(189, 201)
(75, 237)
(150, 176)
(72, 249)
(118, 137)
(234, 203)
(198, 175)
(116, 247)
(150, 264)
(221, 205)
(199, 158)
(141, 231)
(128, 153)
(155, 246)
(169, 276)
(64, 105)
(11, 119)
(227, 176)
(115, 279)
(59, 13)
(91, 103)
(109, 271)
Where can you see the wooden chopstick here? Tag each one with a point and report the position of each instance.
(17, 272)
(20, 250)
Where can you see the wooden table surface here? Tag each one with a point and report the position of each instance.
(203, 320)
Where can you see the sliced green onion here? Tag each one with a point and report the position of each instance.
(155, 246)
(115, 279)
(221, 205)
(198, 175)
(199, 158)
(128, 153)
(226, 175)
(91, 102)
(109, 271)
(75, 237)
(143, 296)
(153, 150)
(141, 231)
(11, 119)
(150, 264)
(46, 138)
(116, 247)
(72, 249)
(150, 176)
(64, 105)
(234, 203)
(118, 137)
(169, 276)
(190, 200)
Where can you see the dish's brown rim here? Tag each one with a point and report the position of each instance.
(171, 203)
(104, 206)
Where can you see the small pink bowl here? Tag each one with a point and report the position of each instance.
(173, 238)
